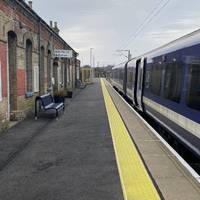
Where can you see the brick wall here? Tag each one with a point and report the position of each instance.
(13, 17)
(3, 103)
(3, 60)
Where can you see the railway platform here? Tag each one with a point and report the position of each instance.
(98, 149)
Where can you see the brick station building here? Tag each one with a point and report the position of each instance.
(27, 64)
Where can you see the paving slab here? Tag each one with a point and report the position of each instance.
(72, 158)
(172, 179)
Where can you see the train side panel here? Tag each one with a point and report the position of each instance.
(118, 77)
(172, 94)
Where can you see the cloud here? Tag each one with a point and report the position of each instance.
(106, 25)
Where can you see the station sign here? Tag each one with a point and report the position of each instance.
(61, 53)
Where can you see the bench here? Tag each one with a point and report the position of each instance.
(47, 103)
(79, 84)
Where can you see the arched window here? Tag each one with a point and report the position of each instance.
(42, 77)
(12, 60)
(62, 73)
(55, 76)
(49, 69)
(29, 81)
(65, 73)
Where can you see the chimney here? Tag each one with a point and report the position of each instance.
(55, 28)
(30, 4)
(51, 24)
(55, 24)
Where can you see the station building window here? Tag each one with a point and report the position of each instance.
(55, 76)
(65, 74)
(41, 71)
(0, 84)
(156, 74)
(68, 72)
(173, 80)
(49, 69)
(29, 83)
(12, 60)
(193, 96)
(62, 74)
(36, 78)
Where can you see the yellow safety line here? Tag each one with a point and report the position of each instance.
(135, 181)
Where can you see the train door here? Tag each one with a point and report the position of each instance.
(140, 68)
(135, 83)
(125, 80)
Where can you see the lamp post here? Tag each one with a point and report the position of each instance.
(94, 64)
(91, 49)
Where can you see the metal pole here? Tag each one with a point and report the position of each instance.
(129, 54)
(93, 60)
(91, 57)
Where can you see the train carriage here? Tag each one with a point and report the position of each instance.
(165, 84)
(118, 77)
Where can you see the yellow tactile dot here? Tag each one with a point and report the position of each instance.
(135, 181)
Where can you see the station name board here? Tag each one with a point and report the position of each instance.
(60, 53)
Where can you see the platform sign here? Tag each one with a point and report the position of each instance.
(61, 53)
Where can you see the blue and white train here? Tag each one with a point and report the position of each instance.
(165, 84)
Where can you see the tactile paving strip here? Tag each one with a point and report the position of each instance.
(136, 183)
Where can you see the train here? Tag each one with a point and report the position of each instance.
(165, 85)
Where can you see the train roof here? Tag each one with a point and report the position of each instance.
(180, 43)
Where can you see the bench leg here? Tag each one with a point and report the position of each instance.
(36, 110)
(56, 114)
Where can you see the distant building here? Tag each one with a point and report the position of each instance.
(87, 74)
(27, 63)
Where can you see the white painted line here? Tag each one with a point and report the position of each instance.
(181, 160)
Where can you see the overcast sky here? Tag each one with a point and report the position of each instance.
(108, 25)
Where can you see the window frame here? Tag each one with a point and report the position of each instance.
(36, 79)
(29, 64)
(173, 93)
(155, 65)
(1, 85)
(189, 88)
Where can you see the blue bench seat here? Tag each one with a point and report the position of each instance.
(47, 103)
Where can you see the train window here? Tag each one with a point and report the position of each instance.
(156, 73)
(147, 79)
(173, 80)
(193, 96)
(129, 77)
(121, 76)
